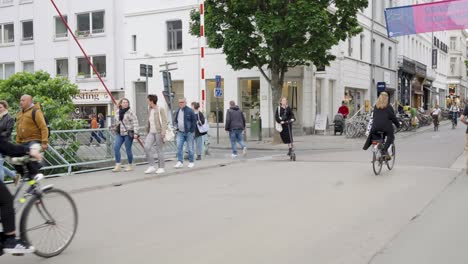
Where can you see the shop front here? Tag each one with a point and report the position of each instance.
(354, 99)
(91, 102)
(250, 98)
(418, 84)
(406, 74)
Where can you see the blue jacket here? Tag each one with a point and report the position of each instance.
(190, 119)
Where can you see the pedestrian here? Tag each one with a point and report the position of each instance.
(464, 120)
(185, 123)
(344, 110)
(6, 128)
(285, 116)
(126, 131)
(199, 135)
(94, 125)
(235, 125)
(454, 110)
(31, 130)
(156, 127)
(102, 124)
(435, 116)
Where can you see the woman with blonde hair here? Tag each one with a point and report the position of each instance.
(383, 117)
(285, 116)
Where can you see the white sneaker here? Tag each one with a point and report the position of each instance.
(191, 164)
(244, 151)
(179, 165)
(150, 169)
(234, 156)
(160, 171)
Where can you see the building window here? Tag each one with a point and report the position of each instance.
(134, 43)
(382, 54)
(453, 43)
(28, 31)
(174, 35)
(28, 66)
(60, 28)
(390, 58)
(250, 98)
(90, 23)
(361, 48)
(211, 102)
(7, 34)
(350, 47)
(453, 61)
(62, 67)
(6, 70)
(85, 70)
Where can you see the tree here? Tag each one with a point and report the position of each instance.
(280, 34)
(53, 94)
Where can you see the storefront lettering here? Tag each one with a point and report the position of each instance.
(90, 97)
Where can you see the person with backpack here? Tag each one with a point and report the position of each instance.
(32, 126)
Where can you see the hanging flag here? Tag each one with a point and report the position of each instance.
(429, 17)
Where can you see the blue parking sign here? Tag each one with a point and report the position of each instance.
(218, 92)
(218, 81)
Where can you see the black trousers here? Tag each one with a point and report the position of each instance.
(7, 211)
(389, 135)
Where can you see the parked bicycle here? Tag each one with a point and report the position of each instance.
(378, 155)
(49, 218)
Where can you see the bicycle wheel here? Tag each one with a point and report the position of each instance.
(391, 163)
(49, 222)
(376, 163)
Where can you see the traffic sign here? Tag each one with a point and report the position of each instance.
(381, 86)
(218, 81)
(218, 92)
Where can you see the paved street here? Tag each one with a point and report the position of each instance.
(328, 207)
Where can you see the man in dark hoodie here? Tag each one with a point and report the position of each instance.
(235, 125)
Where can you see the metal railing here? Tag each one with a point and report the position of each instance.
(87, 150)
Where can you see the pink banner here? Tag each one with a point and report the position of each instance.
(446, 15)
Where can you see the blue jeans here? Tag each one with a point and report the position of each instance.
(235, 136)
(5, 170)
(119, 140)
(183, 137)
(199, 143)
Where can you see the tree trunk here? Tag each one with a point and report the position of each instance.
(276, 92)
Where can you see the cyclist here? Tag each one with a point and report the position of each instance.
(435, 115)
(383, 116)
(454, 110)
(11, 244)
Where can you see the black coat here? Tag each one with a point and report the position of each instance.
(383, 119)
(6, 127)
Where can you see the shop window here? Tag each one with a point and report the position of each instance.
(250, 98)
(211, 102)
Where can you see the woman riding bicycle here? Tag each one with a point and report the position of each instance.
(383, 117)
(11, 244)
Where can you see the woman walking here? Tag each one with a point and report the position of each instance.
(285, 116)
(126, 129)
(199, 135)
(6, 128)
(156, 127)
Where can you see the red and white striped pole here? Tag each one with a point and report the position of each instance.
(202, 56)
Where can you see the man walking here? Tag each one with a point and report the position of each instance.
(185, 123)
(235, 125)
(31, 124)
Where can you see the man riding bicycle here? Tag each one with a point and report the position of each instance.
(11, 244)
(383, 117)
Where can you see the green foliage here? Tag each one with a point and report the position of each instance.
(279, 34)
(53, 94)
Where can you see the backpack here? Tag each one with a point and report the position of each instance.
(46, 121)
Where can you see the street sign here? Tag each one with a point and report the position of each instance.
(167, 80)
(218, 92)
(218, 81)
(146, 70)
(434, 59)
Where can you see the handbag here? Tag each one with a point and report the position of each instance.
(278, 126)
(204, 127)
(169, 135)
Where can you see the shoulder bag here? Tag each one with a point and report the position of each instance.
(202, 128)
(278, 126)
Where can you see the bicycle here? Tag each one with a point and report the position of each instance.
(378, 158)
(42, 206)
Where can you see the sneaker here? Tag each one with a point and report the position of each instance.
(244, 151)
(160, 171)
(234, 156)
(150, 169)
(17, 246)
(179, 165)
(191, 165)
